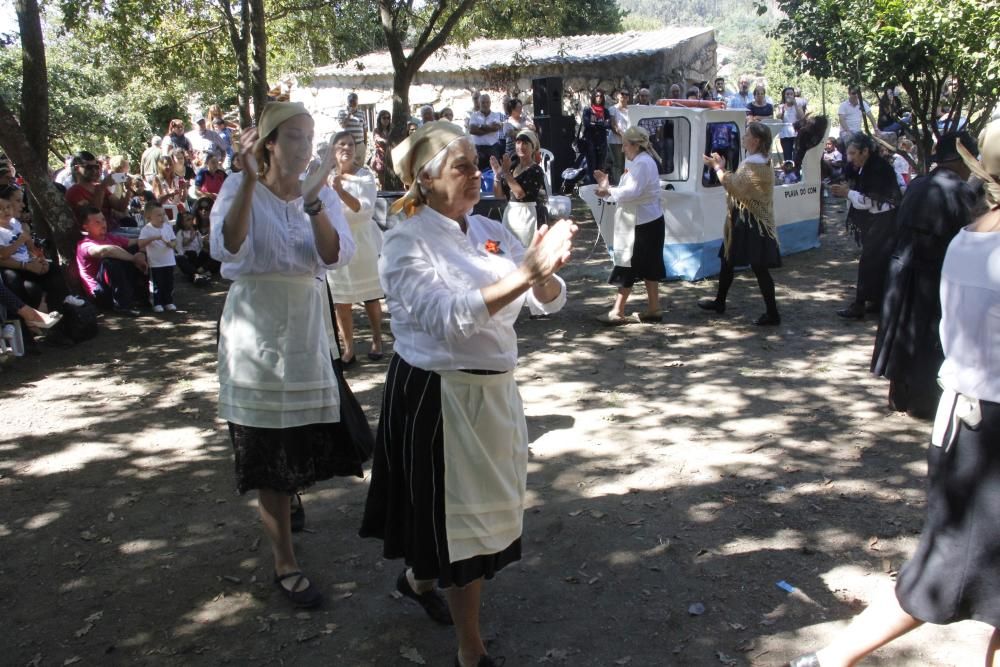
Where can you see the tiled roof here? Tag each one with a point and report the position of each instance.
(485, 53)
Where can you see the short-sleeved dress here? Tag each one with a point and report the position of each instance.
(357, 281)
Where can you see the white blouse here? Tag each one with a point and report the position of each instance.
(360, 185)
(432, 274)
(970, 315)
(640, 188)
(280, 238)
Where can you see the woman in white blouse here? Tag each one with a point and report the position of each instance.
(357, 282)
(276, 236)
(639, 227)
(454, 284)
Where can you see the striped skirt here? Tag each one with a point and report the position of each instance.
(406, 500)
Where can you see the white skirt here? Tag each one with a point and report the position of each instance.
(275, 369)
(521, 219)
(358, 280)
(485, 439)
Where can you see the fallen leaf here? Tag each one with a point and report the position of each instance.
(303, 615)
(306, 636)
(412, 654)
(623, 661)
(737, 626)
(553, 655)
(597, 514)
(231, 579)
(96, 616)
(72, 661)
(330, 627)
(84, 630)
(725, 659)
(36, 661)
(111, 517)
(696, 609)
(575, 512)
(87, 536)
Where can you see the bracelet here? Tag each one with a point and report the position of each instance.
(313, 208)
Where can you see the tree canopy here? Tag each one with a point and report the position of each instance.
(921, 45)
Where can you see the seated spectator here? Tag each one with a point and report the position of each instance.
(209, 180)
(788, 175)
(202, 211)
(193, 259)
(832, 166)
(759, 108)
(10, 307)
(111, 270)
(26, 270)
(91, 190)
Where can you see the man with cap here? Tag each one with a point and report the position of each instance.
(907, 347)
(352, 120)
(150, 156)
(204, 140)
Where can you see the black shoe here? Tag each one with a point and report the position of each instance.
(855, 311)
(307, 598)
(298, 514)
(712, 304)
(768, 320)
(127, 312)
(432, 601)
(807, 660)
(485, 661)
(873, 308)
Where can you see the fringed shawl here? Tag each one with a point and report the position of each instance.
(750, 188)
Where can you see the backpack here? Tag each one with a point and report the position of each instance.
(79, 323)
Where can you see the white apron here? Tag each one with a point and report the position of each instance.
(623, 242)
(521, 219)
(486, 462)
(274, 365)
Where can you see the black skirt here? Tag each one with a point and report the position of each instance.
(405, 506)
(749, 244)
(647, 256)
(878, 241)
(291, 459)
(955, 573)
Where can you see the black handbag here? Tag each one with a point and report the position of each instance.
(352, 416)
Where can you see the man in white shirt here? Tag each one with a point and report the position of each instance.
(619, 123)
(742, 98)
(204, 140)
(352, 120)
(485, 126)
(851, 113)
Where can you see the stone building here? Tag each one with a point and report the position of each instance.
(655, 60)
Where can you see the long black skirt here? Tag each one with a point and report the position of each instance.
(955, 573)
(405, 506)
(907, 346)
(291, 459)
(878, 241)
(749, 244)
(647, 256)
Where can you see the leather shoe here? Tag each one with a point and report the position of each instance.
(307, 598)
(855, 311)
(807, 660)
(432, 601)
(768, 320)
(712, 304)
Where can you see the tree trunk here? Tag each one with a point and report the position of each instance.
(46, 199)
(258, 66)
(401, 80)
(34, 78)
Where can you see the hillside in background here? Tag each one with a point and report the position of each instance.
(737, 24)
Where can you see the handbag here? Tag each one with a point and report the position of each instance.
(352, 416)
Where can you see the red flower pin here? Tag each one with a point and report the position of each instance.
(493, 247)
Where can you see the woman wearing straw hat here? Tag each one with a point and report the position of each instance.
(639, 227)
(454, 284)
(276, 237)
(954, 575)
(521, 181)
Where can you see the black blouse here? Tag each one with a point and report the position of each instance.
(532, 180)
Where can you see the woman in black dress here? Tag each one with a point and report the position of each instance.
(749, 236)
(595, 122)
(521, 181)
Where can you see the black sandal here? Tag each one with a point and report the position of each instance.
(298, 514)
(307, 598)
(432, 601)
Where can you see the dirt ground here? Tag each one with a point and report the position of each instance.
(679, 471)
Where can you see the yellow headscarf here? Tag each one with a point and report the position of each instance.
(410, 156)
(276, 113)
(640, 137)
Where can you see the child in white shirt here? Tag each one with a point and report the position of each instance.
(158, 240)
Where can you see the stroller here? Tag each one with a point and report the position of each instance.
(575, 176)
